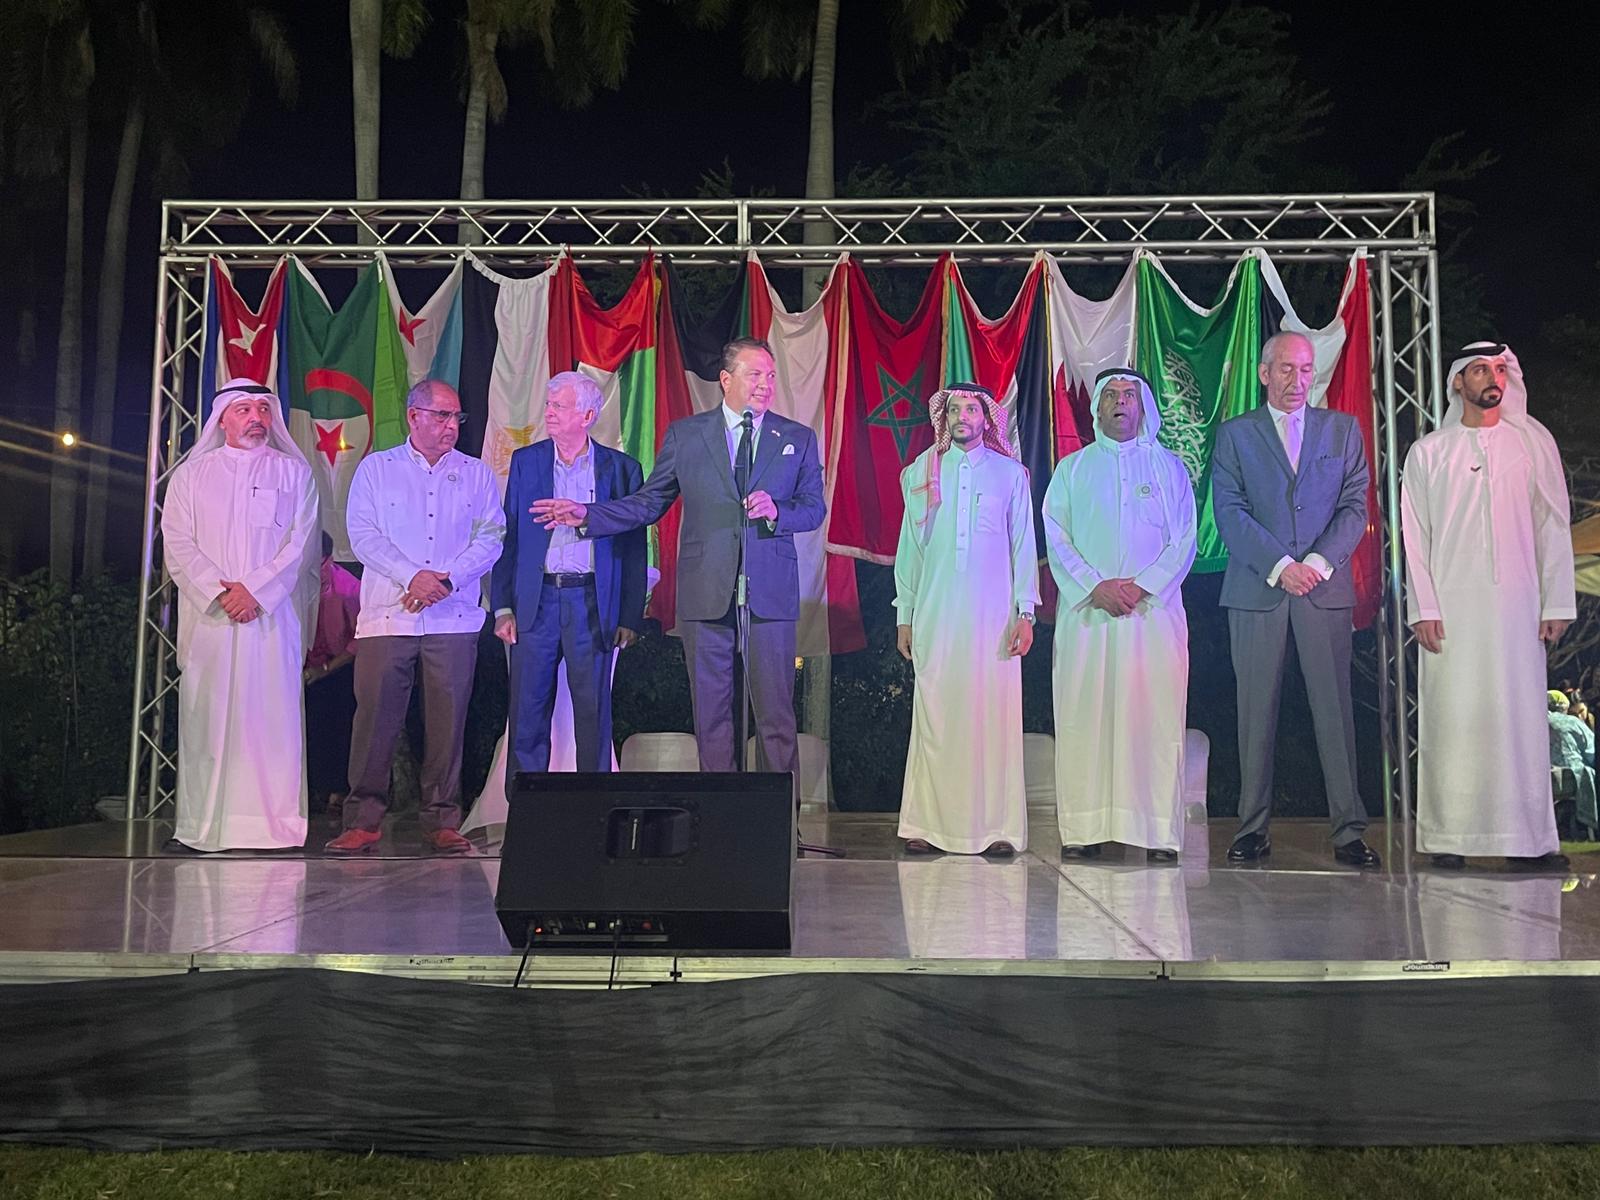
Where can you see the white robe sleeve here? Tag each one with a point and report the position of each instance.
(1024, 546)
(1558, 596)
(1075, 578)
(273, 582)
(1177, 556)
(371, 545)
(907, 560)
(1422, 598)
(191, 569)
(488, 533)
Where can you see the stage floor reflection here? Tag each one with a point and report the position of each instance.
(67, 892)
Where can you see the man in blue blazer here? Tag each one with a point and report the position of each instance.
(557, 596)
(1289, 490)
(737, 459)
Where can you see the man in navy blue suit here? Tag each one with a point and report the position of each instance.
(557, 596)
(747, 475)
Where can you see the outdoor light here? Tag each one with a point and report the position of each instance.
(69, 439)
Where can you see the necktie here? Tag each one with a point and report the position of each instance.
(1291, 440)
(742, 459)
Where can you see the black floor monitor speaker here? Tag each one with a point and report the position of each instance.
(646, 860)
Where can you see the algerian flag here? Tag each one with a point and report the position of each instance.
(1202, 364)
(347, 383)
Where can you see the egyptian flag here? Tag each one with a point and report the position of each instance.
(347, 385)
(240, 341)
(887, 371)
(1342, 351)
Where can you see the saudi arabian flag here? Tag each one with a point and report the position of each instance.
(1202, 365)
(347, 385)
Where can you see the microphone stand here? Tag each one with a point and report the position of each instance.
(741, 610)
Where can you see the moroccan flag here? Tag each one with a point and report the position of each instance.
(805, 347)
(888, 370)
(1202, 365)
(1343, 383)
(241, 342)
(347, 382)
(504, 362)
(431, 337)
(1086, 337)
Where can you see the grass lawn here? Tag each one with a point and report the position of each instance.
(1449, 1173)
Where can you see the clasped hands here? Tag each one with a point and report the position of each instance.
(426, 588)
(1298, 579)
(1117, 597)
(237, 602)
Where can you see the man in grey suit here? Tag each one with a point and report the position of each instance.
(1289, 490)
(736, 461)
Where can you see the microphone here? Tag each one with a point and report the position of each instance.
(747, 418)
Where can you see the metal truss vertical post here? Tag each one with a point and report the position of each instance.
(147, 563)
(1392, 683)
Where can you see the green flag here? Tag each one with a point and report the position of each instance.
(1202, 365)
(347, 381)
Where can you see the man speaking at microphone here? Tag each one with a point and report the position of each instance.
(736, 461)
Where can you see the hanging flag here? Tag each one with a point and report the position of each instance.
(431, 337)
(879, 396)
(1202, 364)
(1086, 337)
(504, 362)
(804, 351)
(347, 384)
(1343, 383)
(241, 342)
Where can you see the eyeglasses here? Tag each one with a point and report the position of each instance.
(443, 414)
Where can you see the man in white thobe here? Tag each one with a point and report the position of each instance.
(1489, 571)
(966, 583)
(1119, 525)
(240, 538)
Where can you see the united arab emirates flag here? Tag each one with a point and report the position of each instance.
(347, 384)
(1202, 364)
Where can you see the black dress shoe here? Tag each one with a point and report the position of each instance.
(1162, 856)
(1358, 854)
(1250, 847)
(1449, 862)
(1544, 862)
(1092, 850)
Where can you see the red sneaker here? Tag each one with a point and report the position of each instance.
(354, 841)
(447, 841)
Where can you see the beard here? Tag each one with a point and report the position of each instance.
(1488, 398)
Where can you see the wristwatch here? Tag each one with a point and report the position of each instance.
(1028, 617)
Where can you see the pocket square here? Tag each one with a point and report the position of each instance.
(789, 449)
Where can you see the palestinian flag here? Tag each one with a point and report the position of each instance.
(1343, 383)
(888, 369)
(240, 341)
(1202, 364)
(347, 384)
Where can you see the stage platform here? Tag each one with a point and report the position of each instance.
(293, 1001)
(77, 909)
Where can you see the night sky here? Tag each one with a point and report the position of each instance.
(1398, 76)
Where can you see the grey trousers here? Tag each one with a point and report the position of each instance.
(708, 650)
(385, 669)
(1322, 640)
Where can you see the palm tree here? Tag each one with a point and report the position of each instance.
(585, 44)
(185, 70)
(377, 27)
(50, 66)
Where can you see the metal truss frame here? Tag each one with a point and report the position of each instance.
(1397, 229)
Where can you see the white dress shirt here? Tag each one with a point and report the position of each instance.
(405, 516)
(1291, 429)
(732, 420)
